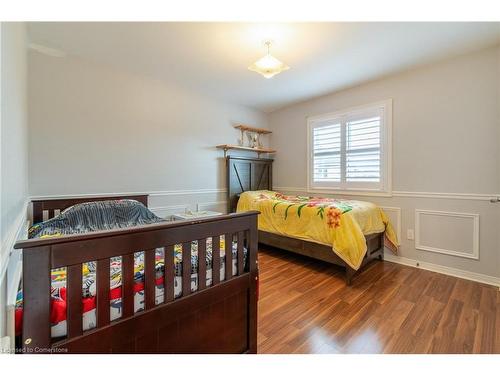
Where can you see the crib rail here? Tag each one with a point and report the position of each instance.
(40, 256)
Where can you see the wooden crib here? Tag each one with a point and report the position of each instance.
(220, 318)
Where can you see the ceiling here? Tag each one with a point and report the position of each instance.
(213, 57)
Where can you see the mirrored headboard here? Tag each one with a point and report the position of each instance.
(244, 174)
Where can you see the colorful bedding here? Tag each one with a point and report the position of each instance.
(58, 285)
(341, 224)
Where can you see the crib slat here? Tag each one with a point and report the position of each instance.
(36, 298)
(127, 285)
(37, 212)
(228, 243)
(51, 213)
(149, 278)
(103, 308)
(74, 300)
(215, 260)
(186, 269)
(202, 264)
(169, 276)
(241, 255)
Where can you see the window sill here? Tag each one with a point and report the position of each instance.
(367, 193)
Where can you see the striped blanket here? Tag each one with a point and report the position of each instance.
(94, 216)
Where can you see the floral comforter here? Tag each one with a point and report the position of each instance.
(341, 224)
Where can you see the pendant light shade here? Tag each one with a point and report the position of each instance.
(268, 65)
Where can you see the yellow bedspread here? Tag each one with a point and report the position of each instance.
(339, 223)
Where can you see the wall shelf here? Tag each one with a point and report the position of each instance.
(253, 145)
(246, 128)
(259, 151)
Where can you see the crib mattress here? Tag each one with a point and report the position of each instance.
(58, 285)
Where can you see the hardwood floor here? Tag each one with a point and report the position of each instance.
(305, 307)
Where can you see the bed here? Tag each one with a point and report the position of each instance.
(343, 232)
(142, 289)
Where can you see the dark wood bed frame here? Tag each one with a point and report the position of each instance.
(221, 318)
(246, 174)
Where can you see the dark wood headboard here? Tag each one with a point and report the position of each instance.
(51, 205)
(244, 174)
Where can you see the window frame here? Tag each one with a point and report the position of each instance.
(384, 188)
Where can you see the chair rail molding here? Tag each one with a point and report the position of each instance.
(150, 193)
(440, 195)
(403, 194)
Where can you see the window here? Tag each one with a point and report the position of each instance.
(349, 151)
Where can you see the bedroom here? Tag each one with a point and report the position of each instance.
(357, 190)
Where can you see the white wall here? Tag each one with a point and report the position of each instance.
(96, 129)
(14, 145)
(85, 119)
(446, 139)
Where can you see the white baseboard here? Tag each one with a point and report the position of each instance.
(468, 275)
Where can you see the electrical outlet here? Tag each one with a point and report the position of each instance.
(410, 234)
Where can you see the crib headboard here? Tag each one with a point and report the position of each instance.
(244, 174)
(51, 205)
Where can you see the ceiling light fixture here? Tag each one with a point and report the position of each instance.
(268, 65)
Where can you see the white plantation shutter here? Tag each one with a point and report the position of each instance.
(347, 150)
(326, 149)
(363, 150)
